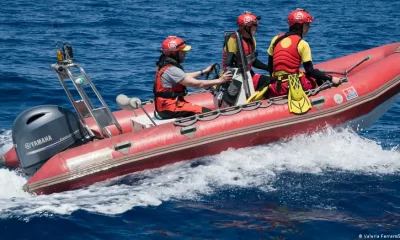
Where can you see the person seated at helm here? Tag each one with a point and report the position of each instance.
(287, 51)
(171, 81)
(248, 25)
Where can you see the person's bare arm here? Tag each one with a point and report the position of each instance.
(201, 73)
(190, 81)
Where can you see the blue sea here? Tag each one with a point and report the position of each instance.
(334, 184)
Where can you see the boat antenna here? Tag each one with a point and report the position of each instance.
(59, 53)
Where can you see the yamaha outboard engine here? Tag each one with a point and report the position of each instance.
(43, 131)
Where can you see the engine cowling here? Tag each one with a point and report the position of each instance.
(43, 131)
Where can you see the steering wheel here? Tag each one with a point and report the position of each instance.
(216, 69)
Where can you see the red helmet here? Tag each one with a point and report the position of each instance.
(247, 19)
(299, 16)
(174, 44)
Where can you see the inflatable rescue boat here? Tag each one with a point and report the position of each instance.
(61, 150)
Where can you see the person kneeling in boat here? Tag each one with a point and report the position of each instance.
(287, 51)
(171, 81)
(248, 26)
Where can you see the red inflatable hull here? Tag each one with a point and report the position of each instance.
(371, 88)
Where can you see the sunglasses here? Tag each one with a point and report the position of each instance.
(180, 44)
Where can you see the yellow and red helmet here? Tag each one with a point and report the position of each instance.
(174, 44)
(247, 19)
(299, 16)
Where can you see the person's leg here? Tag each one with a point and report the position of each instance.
(182, 109)
(307, 83)
(273, 89)
(255, 79)
(262, 82)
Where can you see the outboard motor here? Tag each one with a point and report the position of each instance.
(43, 131)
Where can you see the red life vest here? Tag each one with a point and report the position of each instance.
(287, 58)
(166, 94)
(249, 51)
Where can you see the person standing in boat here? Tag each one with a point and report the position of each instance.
(288, 50)
(171, 81)
(248, 26)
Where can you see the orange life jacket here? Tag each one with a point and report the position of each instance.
(166, 94)
(249, 51)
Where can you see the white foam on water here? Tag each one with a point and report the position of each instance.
(256, 167)
(5, 141)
